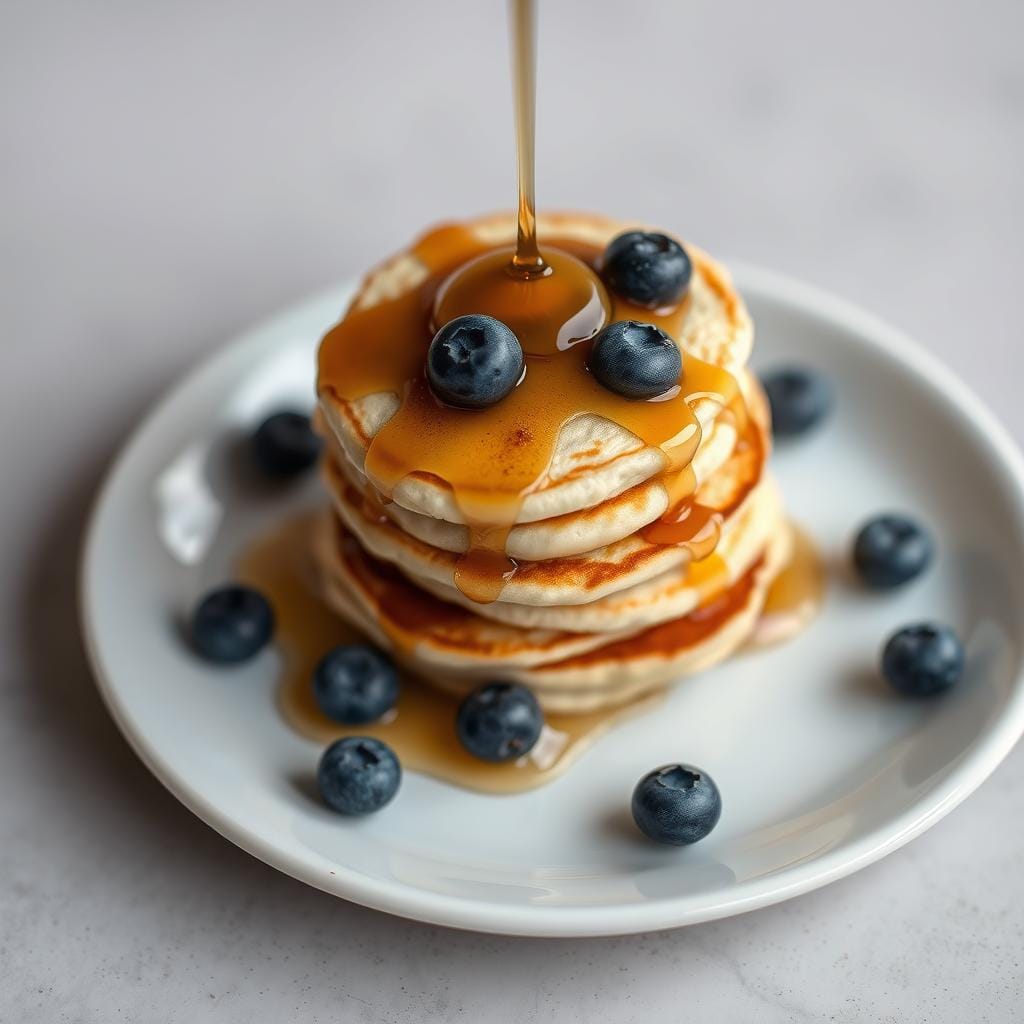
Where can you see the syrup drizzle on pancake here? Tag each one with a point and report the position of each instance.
(492, 458)
(555, 303)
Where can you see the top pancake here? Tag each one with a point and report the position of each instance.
(594, 459)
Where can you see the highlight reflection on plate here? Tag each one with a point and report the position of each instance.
(821, 769)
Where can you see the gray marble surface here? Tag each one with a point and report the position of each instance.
(172, 172)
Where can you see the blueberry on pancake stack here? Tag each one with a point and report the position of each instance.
(555, 478)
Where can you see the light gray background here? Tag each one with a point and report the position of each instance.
(171, 172)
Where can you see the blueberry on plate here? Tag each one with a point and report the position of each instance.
(647, 269)
(676, 804)
(358, 775)
(923, 660)
(636, 360)
(891, 550)
(800, 399)
(355, 684)
(499, 722)
(474, 361)
(232, 624)
(285, 444)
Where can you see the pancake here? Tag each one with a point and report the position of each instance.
(408, 619)
(555, 582)
(636, 666)
(570, 673)
(574, 533)
(666, 596)
(593, 459)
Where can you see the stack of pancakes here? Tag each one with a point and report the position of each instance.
(595, 615)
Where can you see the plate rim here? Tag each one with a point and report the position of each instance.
(395, 897)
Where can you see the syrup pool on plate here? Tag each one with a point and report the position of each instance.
(421, 728)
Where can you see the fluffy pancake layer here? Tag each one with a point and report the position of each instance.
(570, 672)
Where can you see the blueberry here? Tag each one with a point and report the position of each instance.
(285, 444)
(474, 361)
(231, 624)
(676, 804)
(499, 722)
(922, 660)
(890, 550)
(635, 360)
(355, 684)
(800, 399)
(358, 775)
(648, 269)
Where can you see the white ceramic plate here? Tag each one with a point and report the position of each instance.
(822, 770)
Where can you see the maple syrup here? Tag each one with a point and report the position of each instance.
(795, 596)
(526, 260)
